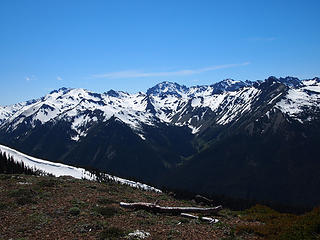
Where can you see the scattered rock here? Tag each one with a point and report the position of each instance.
(24, 183)
(138, 234)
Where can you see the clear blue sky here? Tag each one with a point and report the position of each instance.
(132, 45)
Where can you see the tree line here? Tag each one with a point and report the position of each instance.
(9, 166)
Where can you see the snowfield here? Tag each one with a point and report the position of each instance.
(301, 98)
(59, 169)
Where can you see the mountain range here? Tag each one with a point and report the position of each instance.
(244, 139)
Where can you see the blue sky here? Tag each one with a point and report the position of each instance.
(132, 45)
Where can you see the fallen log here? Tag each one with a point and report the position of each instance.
(169, 210)
(202, 199)
(207, 219)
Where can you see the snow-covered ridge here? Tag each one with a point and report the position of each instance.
(59, 169)
(166, 102)
(299, 99)
(80, 107)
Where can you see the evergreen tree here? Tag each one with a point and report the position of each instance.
(9, 166)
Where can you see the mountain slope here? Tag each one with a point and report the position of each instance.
(58, 169)
(48, 208)
(239, 138)
(278, 167)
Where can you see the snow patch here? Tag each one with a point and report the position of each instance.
(298, 99)
(195, 130)
(196, 102)
(59, 169)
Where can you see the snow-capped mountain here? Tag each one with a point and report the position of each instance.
(173, 134)
(79, 107)
(167, 102)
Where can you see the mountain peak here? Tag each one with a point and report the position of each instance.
(228, 85)
(272, 79)
(167, 88)
(288, 81)
(230, 81)
(112, 93)
(62, 89)
(316, 79)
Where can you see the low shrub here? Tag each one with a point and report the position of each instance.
(103, 200)
(5, 176)
(3, 206)
(23, 196)
(47, 182)
(112, 233)
(25, 200)
(74, 211)
(78, 203)
(105, 211)
(20, 192)
(39, 219)
(281, 226)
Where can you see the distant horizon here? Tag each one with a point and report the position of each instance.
(146, 89)
(133, 45)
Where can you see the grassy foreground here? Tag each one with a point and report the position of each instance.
(33, 207)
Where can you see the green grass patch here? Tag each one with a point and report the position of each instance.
(281, 226)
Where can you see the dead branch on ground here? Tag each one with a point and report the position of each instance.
(207, 219)
(151, 207)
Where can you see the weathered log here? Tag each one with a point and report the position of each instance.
(207, 219)
(169, 210)
(202, 199)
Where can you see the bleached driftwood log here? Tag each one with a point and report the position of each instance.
(169, 210)
(207, 219)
